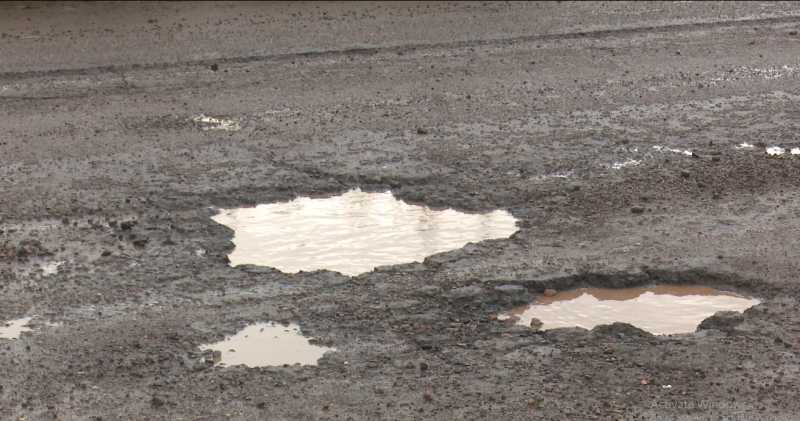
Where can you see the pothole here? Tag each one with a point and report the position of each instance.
(266, 344)
(660, 310)
(214, 123)
(51, 268)
(13, 328)
(353, 233)
(775, 150)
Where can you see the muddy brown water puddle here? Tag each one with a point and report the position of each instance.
(353, 233)
(267, 344)
(660, 310)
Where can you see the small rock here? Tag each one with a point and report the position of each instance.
(724, 321)
(715, 158)
(467, 296)
(422, 130)
(214, 67)
(106, 253)
(566, 334)
(395, 184)
(514, 294)
(505, 335)
(619, 329)
(793, 32)
(549, 292)
(156, 402)
(112, 222)
(427, 395)
(685, 174)
(140, 242)
(423, 366)
(536, 323)
(637, 209)
(609, 351)
(428, 291)
(127, 225)
(424, 343)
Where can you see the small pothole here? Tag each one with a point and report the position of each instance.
(660, 310)
(266, 344)
(13, 328)
(214, 123)
(354, 232)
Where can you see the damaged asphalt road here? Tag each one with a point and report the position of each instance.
(630, 140)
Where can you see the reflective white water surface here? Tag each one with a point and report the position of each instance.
(12, 328)
(353, 233)
(660, 310)
(264, 344)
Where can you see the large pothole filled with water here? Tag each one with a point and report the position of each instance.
(660, 310)
(266, 344)
(353, 233)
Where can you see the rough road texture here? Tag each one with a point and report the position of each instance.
(551, 111)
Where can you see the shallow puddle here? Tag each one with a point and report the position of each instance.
(775, 150)
(12, 328)
(51, 268)
(266, 344)
(353, 233)
(620, 165)
(213, 123)
(660, 310)
(682, 152)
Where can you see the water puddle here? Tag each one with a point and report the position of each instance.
(775, 150)
(682, 152)
(267, 344)
(660, 310)
(51, 268)
(353, 233)
(213, 123)
(563, 175)
(620, 165)
(12, 328)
